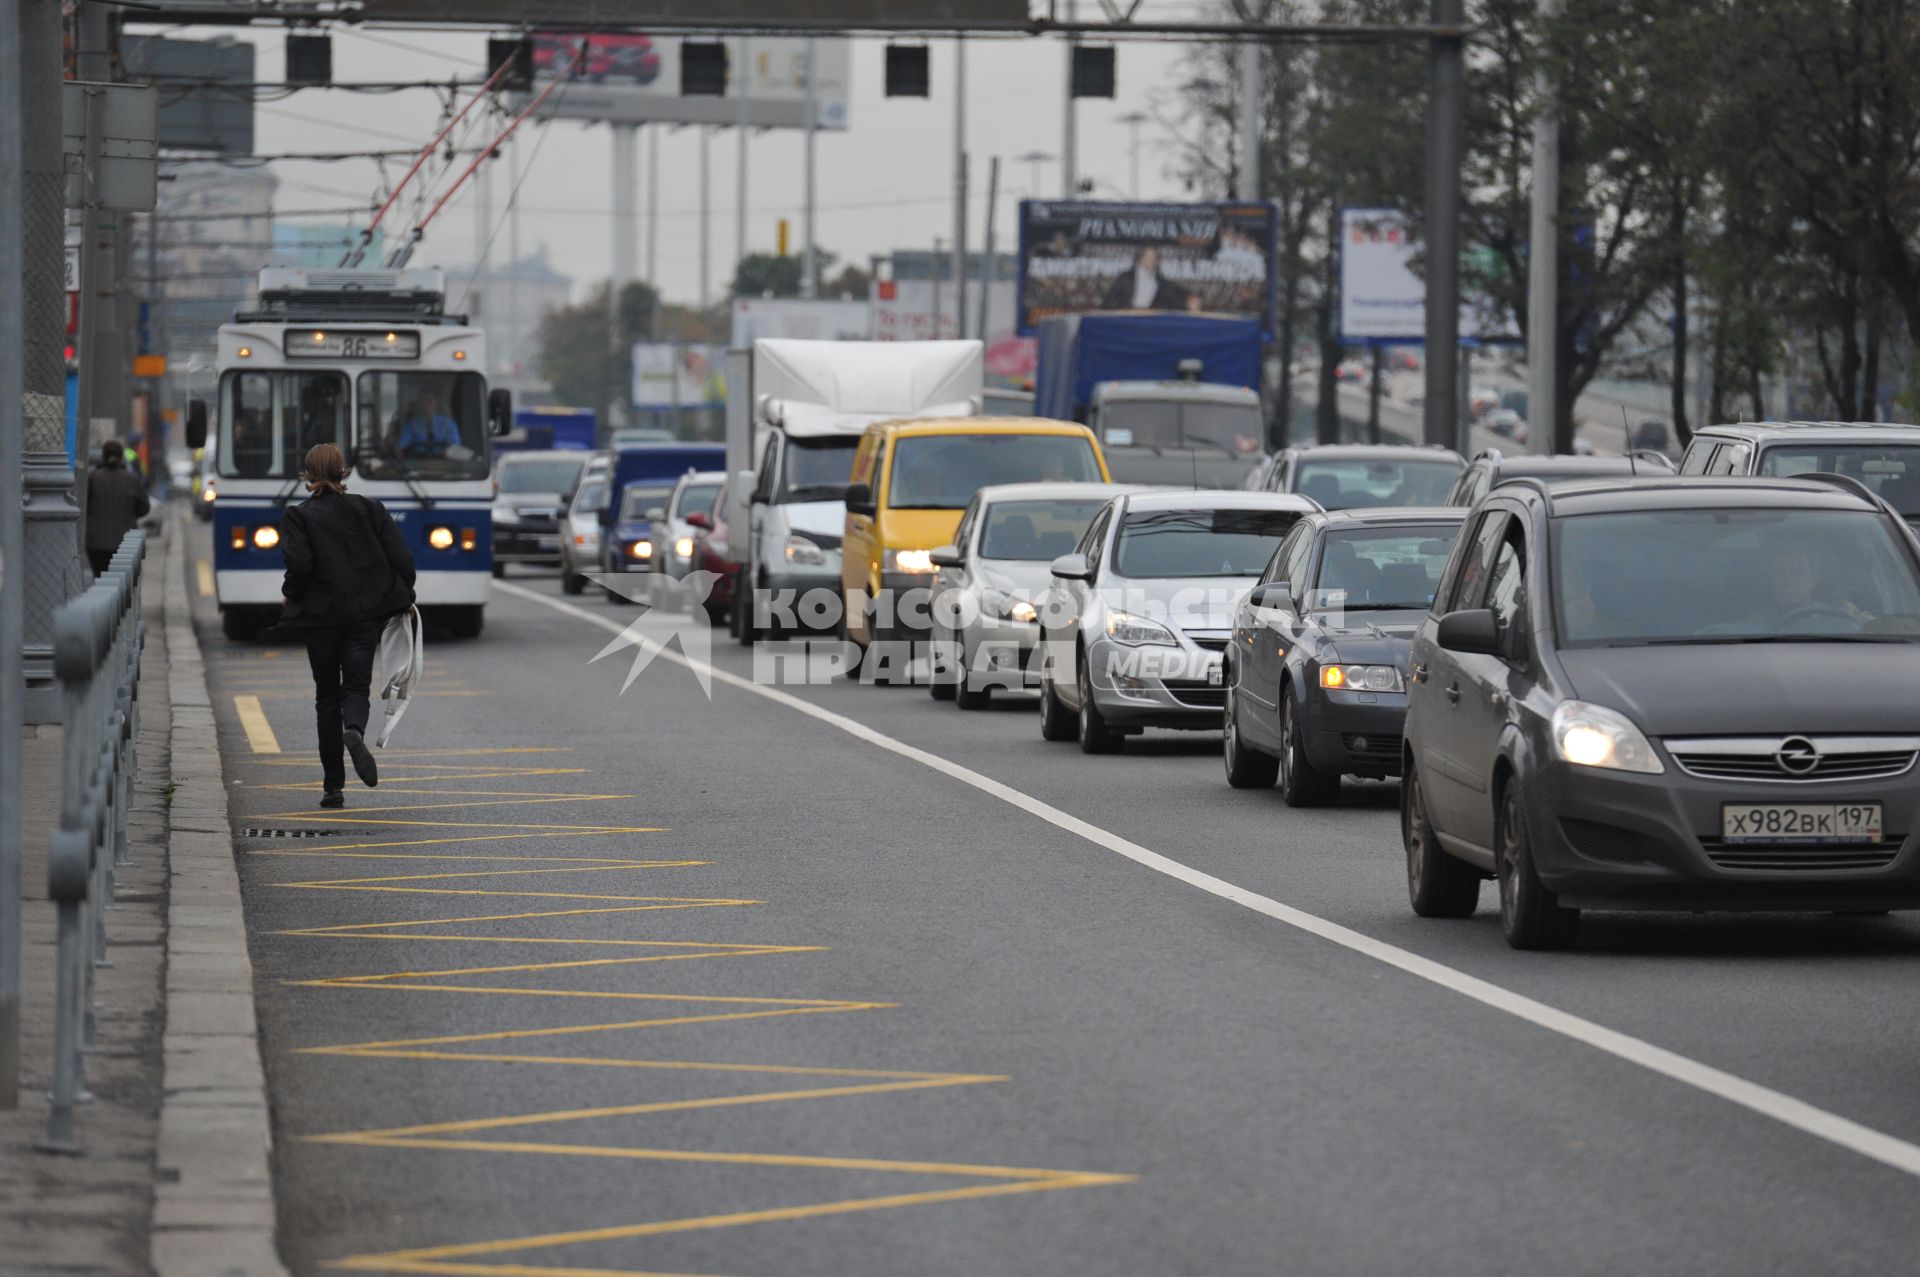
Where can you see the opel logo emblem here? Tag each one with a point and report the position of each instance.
(1797, 756)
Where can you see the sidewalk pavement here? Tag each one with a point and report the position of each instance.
(175, 1178)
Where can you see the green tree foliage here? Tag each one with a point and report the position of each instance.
(770, 275)
(584, 358)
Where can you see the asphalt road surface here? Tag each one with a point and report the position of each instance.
(831, 980)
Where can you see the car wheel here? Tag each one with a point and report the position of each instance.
(499, 570)
(1301, 783)
(1057, 722)
(967, 696)
(572, 582)
(239, 625)
(1095, 736)
(1438, 886)
(1247, 768)
(943, 683)
(1531, 916)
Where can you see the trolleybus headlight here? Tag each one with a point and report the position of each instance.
(266, 537)
(440, 538)
(469, 539)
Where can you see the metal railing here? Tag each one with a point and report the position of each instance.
(97, 638)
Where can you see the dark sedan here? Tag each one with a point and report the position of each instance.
(1316, 670)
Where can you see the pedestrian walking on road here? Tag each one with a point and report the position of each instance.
(116, 501)
(348, 570)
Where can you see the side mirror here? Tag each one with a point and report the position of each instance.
(1474, 632)
(699, 520)
(1274, 594)
(947, 556)
(859, 499)
(655, 513)
(1073, 567)
(196, 423)
(500, 411)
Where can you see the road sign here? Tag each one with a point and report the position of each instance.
(73, 268)
(1383, 300)
(126, 117)
(149, 365)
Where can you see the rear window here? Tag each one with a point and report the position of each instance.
(1187, 543)
(942, 472)
(539, 476)
(1730, 576)
(697, 498)
(1385, 568)
(635, 502)
(1892, 471)
(1357, 483)
(1036, 531)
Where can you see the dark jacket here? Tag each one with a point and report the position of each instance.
(346, 562)
(116, 500)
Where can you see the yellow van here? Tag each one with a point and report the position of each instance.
(912, 480)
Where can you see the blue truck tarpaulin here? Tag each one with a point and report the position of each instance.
(1078, 352)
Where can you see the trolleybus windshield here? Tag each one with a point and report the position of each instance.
(268, 420)
(422, 425)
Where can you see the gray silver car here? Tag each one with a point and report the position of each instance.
(983, 610)
(1140, 613)
(531, 491)
(672, 535)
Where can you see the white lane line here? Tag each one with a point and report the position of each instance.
(1763, 1100)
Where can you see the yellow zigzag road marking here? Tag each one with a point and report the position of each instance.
(464, 1259)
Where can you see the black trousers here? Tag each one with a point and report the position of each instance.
(100, 559)
(342, 661)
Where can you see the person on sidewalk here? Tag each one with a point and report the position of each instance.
(116, 501)
(348, 571)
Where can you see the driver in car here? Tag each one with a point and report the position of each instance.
(1795, 578)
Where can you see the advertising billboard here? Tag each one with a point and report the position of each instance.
(670, 375)
(796, 317)
(626, 78)
(1383, 301)
(1085, 255)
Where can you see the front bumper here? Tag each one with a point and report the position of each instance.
(1001, 652)
(1619, 840)
(1156, 686)
(1354, 733)
(525, 545)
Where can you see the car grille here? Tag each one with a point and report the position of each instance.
(535, 519)
(1210, 640)
(1378, 747)
(1193, 692)
(1803, 857)
(1757, 758)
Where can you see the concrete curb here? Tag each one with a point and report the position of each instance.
(213, 1209)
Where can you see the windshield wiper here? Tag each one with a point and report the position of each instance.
(1716, 639)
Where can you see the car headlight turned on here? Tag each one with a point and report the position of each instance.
(1362, 678)
(440, 538)
(1595, 736)
(908, 561)
(266, 537)
(1023, 611)
(804, 553)
(1004, 607)
(208, 495)
(683, 548)
(1138, 631)
(641, 550)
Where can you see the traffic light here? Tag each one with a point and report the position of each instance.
(780, 237)
(309, 59)
(1093, 70)
(703, 69)
(907, 71)
(517, 56)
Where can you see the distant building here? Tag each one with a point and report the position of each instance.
(322, 245)
(510, 300)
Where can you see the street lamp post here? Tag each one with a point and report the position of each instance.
(1133, 120)
(1035, 159)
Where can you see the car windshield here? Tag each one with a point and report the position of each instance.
(1036, 531)
(543, 475)
(636, 501)
(696, 498)
(818, 469)
(1357, 483)
(422, 425)
(942, 472)
(592, 495)
(1230, 427)
(1733, 576)
(1892, 471)
(268, 420)
(1385, 568)
(1183, 543)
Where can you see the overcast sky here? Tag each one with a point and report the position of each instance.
(884, 183)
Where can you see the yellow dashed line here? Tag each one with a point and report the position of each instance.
(253, 720)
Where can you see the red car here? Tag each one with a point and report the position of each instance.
(710, 555)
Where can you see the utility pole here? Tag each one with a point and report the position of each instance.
(653, 230)
(740, 179)
(1543, 266)
(626, 238)
(102, 386)
(12, 542)
(959, 190)
(809, 268)
(1069, 162)
(706, 213)
(53, 566)
(1446, 145)
(992, 254)
(1252, 97)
